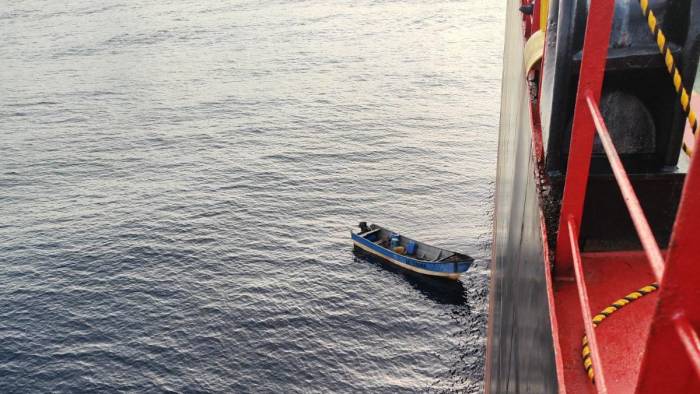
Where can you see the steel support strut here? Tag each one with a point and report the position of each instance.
(595, 51)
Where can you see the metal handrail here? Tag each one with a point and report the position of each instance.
(690, 340)
(585, 304)
(639, 220)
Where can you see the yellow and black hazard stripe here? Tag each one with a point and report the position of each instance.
(612, 308)
(672, 68)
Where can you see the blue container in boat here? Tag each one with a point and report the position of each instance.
(394, 240)
(411, 247)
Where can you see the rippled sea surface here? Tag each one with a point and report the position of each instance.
(178, 180)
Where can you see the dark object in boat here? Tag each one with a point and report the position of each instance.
(363, 227)
(423, 258)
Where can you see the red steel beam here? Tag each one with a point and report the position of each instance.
(669, 365)
(651, 248)
(585, 306)
(595, 51)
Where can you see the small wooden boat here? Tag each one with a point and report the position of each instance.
(408, 253)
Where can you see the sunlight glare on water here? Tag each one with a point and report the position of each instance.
(178, 180)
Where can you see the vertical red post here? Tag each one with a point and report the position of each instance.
(595, 51)
(527, 19)
(536, 15)
(670, 357)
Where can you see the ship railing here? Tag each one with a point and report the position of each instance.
(672, 330)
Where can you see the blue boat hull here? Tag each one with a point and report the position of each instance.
(451, 270)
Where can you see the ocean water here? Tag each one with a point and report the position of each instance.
(178, 180)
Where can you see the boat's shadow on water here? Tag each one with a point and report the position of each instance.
(442, 291)
(464, 361)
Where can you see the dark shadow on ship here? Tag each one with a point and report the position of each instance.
(442, 291)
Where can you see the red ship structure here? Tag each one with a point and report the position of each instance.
(595, 279)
